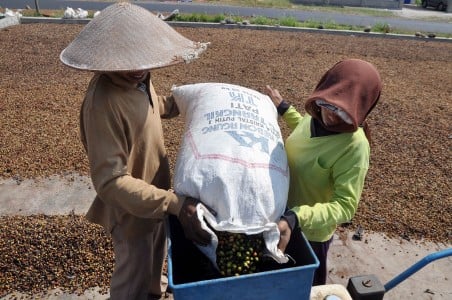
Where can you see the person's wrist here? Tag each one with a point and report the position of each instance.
(282, 107)
(291, 218)
(174, 206)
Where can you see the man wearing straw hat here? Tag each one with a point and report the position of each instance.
(120, 124)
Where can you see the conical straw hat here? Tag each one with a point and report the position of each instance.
(127, 37)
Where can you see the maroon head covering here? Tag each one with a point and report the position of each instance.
(352, 85)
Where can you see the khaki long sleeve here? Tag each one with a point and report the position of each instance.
(122, 134)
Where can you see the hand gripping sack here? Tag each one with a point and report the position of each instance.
(232, 158)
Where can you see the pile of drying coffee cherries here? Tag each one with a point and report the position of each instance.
(40, 253)
(238, 253)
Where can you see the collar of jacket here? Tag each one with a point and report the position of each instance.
(120, 81)
(317, 130)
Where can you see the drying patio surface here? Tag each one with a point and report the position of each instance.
(406, 202)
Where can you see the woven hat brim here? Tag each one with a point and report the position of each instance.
(125, 37)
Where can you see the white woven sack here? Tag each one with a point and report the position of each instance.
(232, 158)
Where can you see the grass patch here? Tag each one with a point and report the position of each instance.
(287, 4)
(382, 27)
(261, 20)
(289, 22)
(54, 13)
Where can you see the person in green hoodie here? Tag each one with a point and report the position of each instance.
(328, 154)
(121, 131)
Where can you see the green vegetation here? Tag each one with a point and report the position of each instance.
(289, 5)
(261, 20)
(382, 27)
(290, 22)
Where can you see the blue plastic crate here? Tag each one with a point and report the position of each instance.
(293, 282)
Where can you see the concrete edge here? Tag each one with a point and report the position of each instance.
(30, 20)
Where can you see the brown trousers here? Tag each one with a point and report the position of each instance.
(138, 265)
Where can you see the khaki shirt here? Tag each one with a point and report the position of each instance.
(122, 134)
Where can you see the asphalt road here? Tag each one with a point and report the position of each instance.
(189, 7)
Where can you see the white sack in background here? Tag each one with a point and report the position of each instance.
(232, 158)
(11, 13)
(70, 13)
